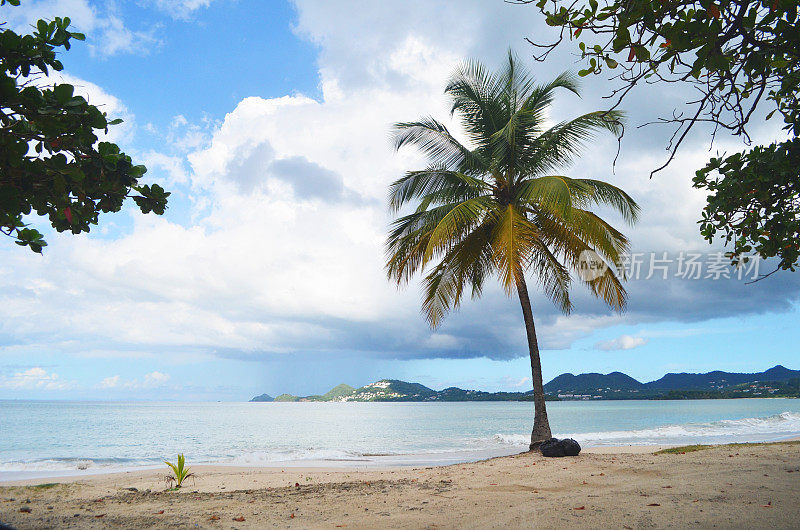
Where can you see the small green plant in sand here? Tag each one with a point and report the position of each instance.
(45, 486)
(180, 472)
(692, 448)
(682, 449)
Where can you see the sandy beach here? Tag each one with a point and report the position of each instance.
(747, 486)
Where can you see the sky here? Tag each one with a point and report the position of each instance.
(269, 122)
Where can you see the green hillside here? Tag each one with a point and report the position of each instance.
(337, 392)
(775, 382)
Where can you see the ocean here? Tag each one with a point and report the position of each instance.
(49, 438)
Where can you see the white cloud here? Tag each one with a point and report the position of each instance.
(284, 249)
(515, 382)
(34, 378)
(181, 8)
(173, 167)
(110, 382)
(155, 379)
(152, 380)
(113, 37)
(439, 341)
(623, 342)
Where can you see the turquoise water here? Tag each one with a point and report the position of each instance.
(68, 437)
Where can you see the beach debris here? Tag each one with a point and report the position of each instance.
(291, 515)
(214, 518)
(160, 512)
(99, 516)
(131, 489)
(654, 504)
(239, 519)
(25, 509)
(558, 448)
(768, 505)
(580, 508)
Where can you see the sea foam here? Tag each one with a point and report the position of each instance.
(768, 428)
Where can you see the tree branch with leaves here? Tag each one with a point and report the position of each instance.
(51, 160)
(737, 56)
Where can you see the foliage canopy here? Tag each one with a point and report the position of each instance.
(737, 56)
(51, 161)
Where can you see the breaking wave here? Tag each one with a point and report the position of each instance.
(768, 428)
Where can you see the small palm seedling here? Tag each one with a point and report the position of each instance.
(180, 472)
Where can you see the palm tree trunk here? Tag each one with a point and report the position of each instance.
(541, 425)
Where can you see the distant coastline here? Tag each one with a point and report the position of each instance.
(777, 382)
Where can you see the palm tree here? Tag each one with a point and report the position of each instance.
(496, 208)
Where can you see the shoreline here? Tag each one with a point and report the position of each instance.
(34, 477)
(726, 486)
(37, 477)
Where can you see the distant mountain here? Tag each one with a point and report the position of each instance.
(395, 390)
(719, 380)
(615, 385)
(391, 390)
(339, 391)
(591, 383)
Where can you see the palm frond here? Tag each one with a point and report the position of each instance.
(457, 224)
(557, 146)
(552, 276)
(433, 139)
(552, 193)
(609, 289)
(600, 193)
(512, 245)
(586, 231)
(474, 93)
(468, 262)
(436, 185)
